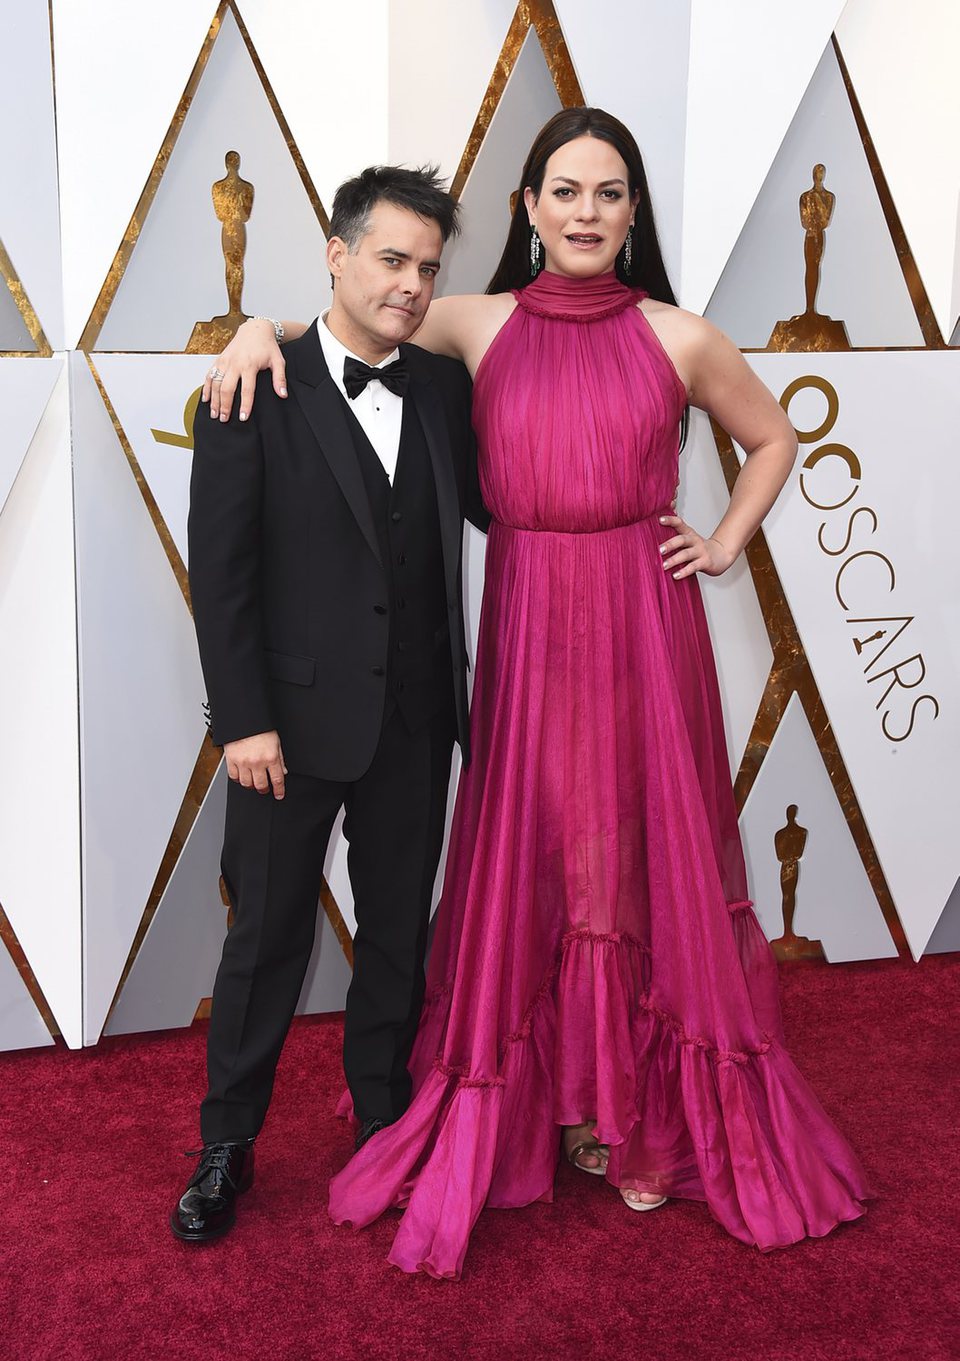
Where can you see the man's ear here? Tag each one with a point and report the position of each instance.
(336, 250)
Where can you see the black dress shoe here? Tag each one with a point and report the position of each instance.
(207, 1208)
(368, 1128)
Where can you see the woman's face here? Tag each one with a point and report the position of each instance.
(584, 208)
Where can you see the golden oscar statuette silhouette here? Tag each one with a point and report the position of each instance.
(789, 843)
(233, 204)
(811, 330)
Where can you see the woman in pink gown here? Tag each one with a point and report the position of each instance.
(597, 959)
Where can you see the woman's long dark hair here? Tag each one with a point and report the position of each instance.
(647, 271)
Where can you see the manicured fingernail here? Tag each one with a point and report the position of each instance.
(214, 413)
(663, 548)
(224, 416)
(243, 415)
(283, 392)
(663, 519)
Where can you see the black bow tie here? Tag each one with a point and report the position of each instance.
(357, 374)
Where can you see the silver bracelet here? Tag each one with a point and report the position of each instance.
(277, 327)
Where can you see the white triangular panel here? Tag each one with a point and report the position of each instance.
(750, 63)
(740, 642)
(29, 209)
(903, 65)
(328, 973)
(39, 831)
(835, 903)
(946, 933)
(293, 41)
(21, 1025)
(150, 394)
(441, 57)
(141, 695)
(175, 277)
(530, 98)
(14, 335)
(861, 282)
(177, 961)
(25, 388)
(107, 146)
(873, 592)
(654, 108)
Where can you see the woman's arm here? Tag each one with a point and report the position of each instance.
(461, 327)
(721, 382)
(253, 348)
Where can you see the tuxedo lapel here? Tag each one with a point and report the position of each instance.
(423, 393)
(322, 404)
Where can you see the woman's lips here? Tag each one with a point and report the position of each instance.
(584, 240)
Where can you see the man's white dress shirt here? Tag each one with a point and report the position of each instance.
(379, 411)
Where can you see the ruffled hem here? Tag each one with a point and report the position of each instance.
(685, 1115)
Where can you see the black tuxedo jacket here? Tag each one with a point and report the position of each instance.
(285, 566)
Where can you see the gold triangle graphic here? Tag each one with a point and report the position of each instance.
(24, 969)
(541, 16)
(26, 309)
(131, 236)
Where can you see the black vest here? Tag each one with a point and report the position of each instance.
(419, 666)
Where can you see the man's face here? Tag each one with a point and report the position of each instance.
(383, 289)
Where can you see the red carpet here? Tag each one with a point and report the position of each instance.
(89, 1168)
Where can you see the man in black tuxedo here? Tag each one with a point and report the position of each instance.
(325, 569)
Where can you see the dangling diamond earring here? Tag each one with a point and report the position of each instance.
(534, 253)
(628, 251)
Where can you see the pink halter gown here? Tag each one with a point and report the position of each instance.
(596, 953)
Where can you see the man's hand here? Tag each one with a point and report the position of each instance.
(257, 763)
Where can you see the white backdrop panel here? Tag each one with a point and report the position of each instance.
(21, 1025)
(177, 961)
(632, 61)
(739, 635)
(946, 933)
(441, 58)
(14, 334)
(141, 693)
(150, 393)
(39, 822)
(319, 67)
(750, 63)
(861, 282)
(29, 211)
(107, 145)
(873, 591)
(175, 275)
(25, 388)
(835, 903)
(903, 65)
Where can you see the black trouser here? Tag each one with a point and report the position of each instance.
(273, 856)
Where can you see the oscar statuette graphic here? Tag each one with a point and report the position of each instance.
(233, 204)
(811, 330)
(789, 843)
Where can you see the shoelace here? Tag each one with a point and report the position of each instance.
(215, 1159)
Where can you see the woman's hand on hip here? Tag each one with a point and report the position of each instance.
(253, 348)
(688, 552)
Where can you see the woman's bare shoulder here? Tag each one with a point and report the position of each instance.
(464, 325)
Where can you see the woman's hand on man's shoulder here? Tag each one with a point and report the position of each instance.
(253, 348)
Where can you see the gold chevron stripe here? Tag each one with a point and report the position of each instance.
(542, 16)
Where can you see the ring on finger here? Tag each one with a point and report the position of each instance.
(215, 376)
